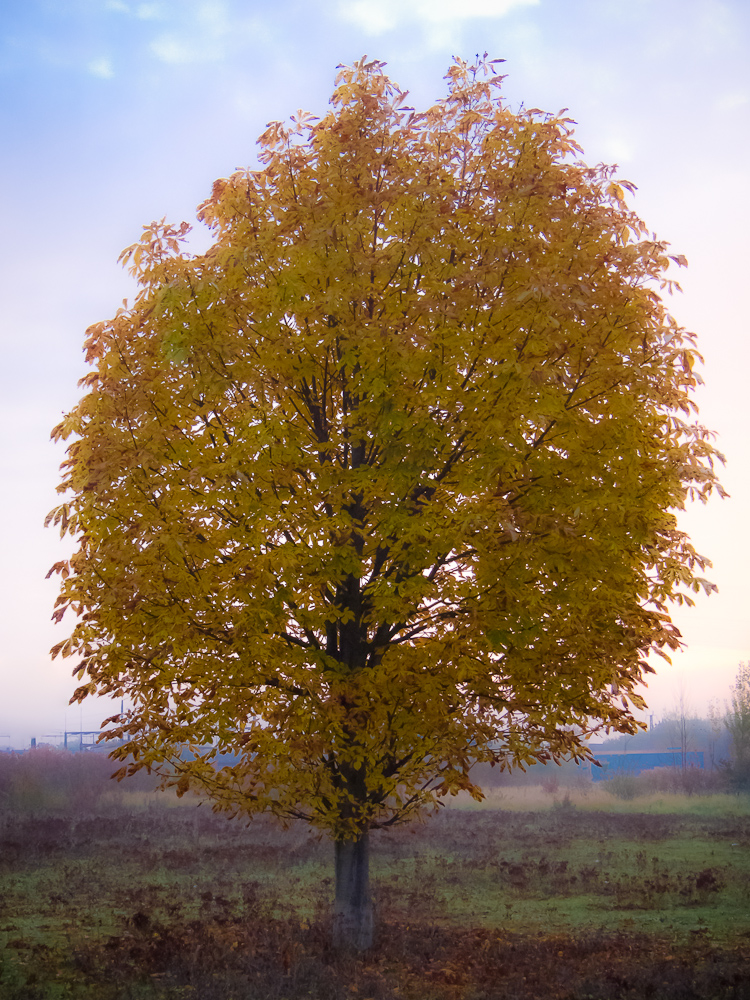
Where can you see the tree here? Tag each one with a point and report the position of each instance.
(737, 721)
(681, 723)
(716, 729)
(382, 484)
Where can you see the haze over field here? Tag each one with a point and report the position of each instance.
(116, 113)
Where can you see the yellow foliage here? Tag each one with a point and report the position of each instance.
(380, 484)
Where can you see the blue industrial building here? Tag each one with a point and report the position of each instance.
(634, 763)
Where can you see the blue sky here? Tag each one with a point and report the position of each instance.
(114, 113)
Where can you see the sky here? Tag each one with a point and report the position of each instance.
(114, 113)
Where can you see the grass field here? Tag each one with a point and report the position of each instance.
(596, 798)
(577, 896)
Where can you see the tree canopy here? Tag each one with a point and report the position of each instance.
(384, 482)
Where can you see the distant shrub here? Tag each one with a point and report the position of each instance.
(669, 780)
(736, 779)
(551, 777)
(48, 779)
(623, 786)
(564, 805)
(550, 784)
(675, 780)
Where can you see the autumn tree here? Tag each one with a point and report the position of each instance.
(383, 483)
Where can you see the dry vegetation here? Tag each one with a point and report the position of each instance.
(570, 895)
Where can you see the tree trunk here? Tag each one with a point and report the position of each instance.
(352, 912)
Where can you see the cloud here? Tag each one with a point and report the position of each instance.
(449, 10)
(618, 149)
(733, 101)
(102, 68)
(205, 35)
(148, 12)
(175, 51)
(379, 16)
(214, 16)
(375, 18)
(143, 11)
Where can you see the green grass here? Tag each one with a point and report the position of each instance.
(93, 900)
(559, 869)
